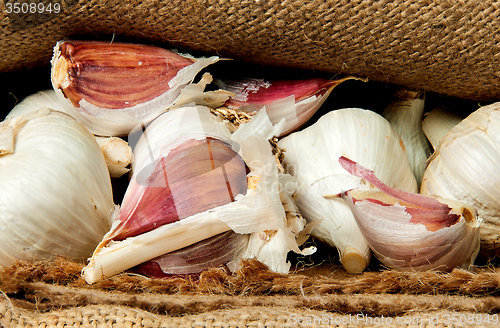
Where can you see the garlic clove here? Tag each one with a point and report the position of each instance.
(405, 113)
(437, 123)
(410, 231)
(294, 100)
(112, 87)
(194, 177)
(216, 251)
(250, 209)
(311, 156)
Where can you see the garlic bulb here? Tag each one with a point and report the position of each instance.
(294, 100)
(437, 123)
(311, 156)
(113, 87)
(117, 152)
(465, 167)
(413, 232)
(193, 179)
(55, 193)
(405, 114)
(34, 102)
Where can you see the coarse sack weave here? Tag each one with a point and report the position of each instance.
(53, 294)
(448, 47)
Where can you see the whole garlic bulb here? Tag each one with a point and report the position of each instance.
(465, 167)
(311, 156)
(55, 189)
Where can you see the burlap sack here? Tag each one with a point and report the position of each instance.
(449, 47)
(48, 294)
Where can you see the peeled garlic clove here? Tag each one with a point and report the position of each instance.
(117, 153)
(405, 113)
(212, 252)
(465, 167)
(113, 87)
(294, 100)
(171, 204)
(413, 232)
(311, 156)
(437, 123)
(55, 190)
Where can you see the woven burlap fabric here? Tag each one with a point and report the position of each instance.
(449, 47)
(54, 294)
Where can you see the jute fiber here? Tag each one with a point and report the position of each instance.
(448, 47)
(53, 294)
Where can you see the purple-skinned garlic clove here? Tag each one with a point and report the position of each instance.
(408, 231)
(295, 100)
(113, 87)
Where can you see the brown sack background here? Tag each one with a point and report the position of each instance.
(448, 47)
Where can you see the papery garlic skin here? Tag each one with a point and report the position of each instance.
(55, 195)
(259, 210)
(437, 123)
(412, 232)
(311, 156)
(465, 167)
(405, 113)
(113, 87)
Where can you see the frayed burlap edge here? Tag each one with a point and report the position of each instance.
(254, 278)
(53, 294)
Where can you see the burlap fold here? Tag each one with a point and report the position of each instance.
(449, 47)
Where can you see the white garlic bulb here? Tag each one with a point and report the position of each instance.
(465, 167)
(55, 194)
(311, 156)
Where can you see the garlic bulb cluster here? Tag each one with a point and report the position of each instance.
(408, 231)
(294, 100)
(192, 180)
(311, 156)
(113, 87)
(465, 167)
(405, 114)
(55, 194)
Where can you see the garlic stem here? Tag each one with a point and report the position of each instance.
(437, 123)
(117, 153)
